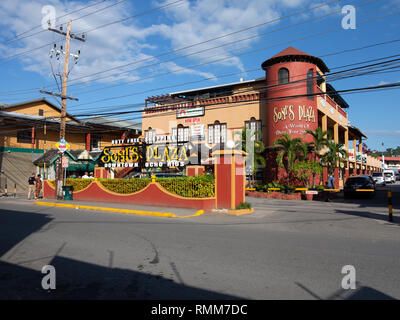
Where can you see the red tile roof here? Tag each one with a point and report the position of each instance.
(293, 54)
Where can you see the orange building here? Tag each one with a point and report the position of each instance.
(29, 129)
(292, 97)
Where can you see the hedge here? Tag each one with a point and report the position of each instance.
(78, 184)
(193, 187)
(125, 186)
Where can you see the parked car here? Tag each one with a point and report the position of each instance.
(362, 182)
(389, 176)
(379, 178)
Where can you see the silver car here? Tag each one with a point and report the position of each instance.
(379, 178)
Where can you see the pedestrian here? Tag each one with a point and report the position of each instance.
(330, 184)
(91, 175)
(85, 176)
(31, 186)
(38, 186)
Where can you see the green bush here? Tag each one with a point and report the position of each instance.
(125, 186)
(275, 184)
(77, 184)
(243, 205)
(196, 187)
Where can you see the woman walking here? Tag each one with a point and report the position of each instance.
(38, 186)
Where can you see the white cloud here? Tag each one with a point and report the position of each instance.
(185, 24)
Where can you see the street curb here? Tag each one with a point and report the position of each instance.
(127, 211)
(233, 212)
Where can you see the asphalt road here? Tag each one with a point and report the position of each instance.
(285, 250)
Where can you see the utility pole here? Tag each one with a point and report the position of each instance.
(64, 97)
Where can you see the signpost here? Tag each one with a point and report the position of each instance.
(62, 146)
(64, 162)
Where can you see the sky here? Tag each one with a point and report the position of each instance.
(135, 49)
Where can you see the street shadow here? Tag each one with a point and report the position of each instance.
(77, 280)
(368, 293)
(371, 215)
(360, 293)
(15, 226)
(379, 201)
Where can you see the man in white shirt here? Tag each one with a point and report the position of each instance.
(85, 176)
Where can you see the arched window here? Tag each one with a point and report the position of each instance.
(255, 125)
(283, 76)
(310, 84)
(217, 132)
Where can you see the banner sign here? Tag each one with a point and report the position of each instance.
(64, 162)
(197, 132)
(351, 155)
(364, 158)
(62, 145)
(190, 112)
(145, 156)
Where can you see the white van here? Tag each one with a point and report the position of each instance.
(389, 176)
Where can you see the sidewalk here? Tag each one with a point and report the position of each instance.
(168, 212)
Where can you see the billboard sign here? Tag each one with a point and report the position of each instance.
(190, 112)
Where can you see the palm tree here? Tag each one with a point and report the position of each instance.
(335, 155)
(258, 150)
(291, 148)
(320, 141)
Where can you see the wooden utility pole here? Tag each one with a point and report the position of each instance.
(64, 97)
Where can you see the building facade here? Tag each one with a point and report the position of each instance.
(294, 96)
(30, 129)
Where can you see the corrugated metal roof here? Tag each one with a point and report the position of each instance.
(114, 122)
(218, 86)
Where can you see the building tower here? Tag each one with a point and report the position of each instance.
(292, 74)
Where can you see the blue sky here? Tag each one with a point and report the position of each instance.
(144, 44)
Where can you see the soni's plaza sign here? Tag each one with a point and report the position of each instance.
(143, 155)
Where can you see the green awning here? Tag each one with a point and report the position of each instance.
(80, 167)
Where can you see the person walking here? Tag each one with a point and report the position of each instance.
(38, 186)
(31, 186)
(330, 185)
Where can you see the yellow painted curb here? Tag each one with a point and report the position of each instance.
(239, 212)
(127, 211)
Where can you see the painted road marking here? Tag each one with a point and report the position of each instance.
(127, 211)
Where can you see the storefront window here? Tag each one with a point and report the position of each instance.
(149, 135)
(217, 132)
(255, 125)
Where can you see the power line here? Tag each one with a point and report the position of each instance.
(57, 18)
(316, 77)
(186, 47)
(248, 52)
(220, 59)
(131, 17)
(252, 70)
(237, 104)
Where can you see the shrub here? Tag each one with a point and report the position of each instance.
(77, 184)
(125, 186)
(197, 187)
(243, 205)
(275, 184)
